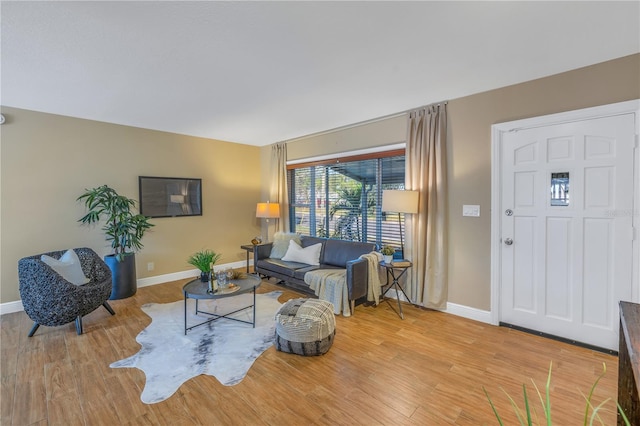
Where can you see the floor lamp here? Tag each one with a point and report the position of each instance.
(400, 202)
(268, 211)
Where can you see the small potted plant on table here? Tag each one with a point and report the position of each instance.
(387, 253)
(204, 261)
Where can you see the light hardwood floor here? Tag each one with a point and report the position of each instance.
(428, 369)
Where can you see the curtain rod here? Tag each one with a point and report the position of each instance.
(345, 127)
(360, 123)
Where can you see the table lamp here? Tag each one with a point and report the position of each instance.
(268, 211)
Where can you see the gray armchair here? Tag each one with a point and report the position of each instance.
(50, 300)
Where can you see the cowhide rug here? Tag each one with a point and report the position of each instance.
(223, 348)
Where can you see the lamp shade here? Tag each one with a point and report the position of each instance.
(399, 201)
(268, 210)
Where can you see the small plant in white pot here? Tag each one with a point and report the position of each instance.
(387, 253)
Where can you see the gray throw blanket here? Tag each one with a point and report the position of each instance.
(330, 285)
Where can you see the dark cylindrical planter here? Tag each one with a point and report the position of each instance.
(123, 276)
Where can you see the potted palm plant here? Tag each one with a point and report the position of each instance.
(123, 229)
(204, 261)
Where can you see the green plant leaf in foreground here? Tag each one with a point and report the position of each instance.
(593, 388)
(546, 404)
(493, 407)
(624, 417)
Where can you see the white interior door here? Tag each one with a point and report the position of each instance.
(566, 227)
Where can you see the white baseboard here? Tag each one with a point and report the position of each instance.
(174, 276)
(469, 312)
(455, 309)
(11, 307)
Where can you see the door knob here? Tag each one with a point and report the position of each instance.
(508, 241)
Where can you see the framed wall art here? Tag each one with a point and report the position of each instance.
(169, 196)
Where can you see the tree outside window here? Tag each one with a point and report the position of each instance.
(341, 198)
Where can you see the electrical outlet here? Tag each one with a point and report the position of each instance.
(150, 266)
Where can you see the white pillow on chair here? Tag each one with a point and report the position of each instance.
(68, 266)
(309, 255)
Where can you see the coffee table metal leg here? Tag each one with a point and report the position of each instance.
(254, 307)
(196, 290)
(215, 316)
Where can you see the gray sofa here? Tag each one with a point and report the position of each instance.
(335, 254)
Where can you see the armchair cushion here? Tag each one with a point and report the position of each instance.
(68, 266)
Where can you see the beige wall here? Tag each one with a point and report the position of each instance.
(469, 153)
(382, 132)
(47, 161)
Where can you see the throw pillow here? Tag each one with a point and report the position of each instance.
(309, 255)
(68, 266)
(281, 243)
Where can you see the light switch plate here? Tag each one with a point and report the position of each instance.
(471, 210)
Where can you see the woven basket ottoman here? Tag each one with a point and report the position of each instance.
(305, 327)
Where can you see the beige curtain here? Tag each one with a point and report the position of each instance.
(426, 230)
(278, 190)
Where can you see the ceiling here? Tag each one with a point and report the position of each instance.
(263, 72)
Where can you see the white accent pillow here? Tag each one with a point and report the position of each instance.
(68, 266)
(309, 255)
(281, 243)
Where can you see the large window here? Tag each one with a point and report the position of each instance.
(341, 198)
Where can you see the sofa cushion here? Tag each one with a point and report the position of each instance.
(299, 273)
(279, 266)
(338, 252)
(306, 241)
(309, 255)
(281, 243)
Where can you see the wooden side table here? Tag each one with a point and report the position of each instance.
(396, 271)
(249, 249)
